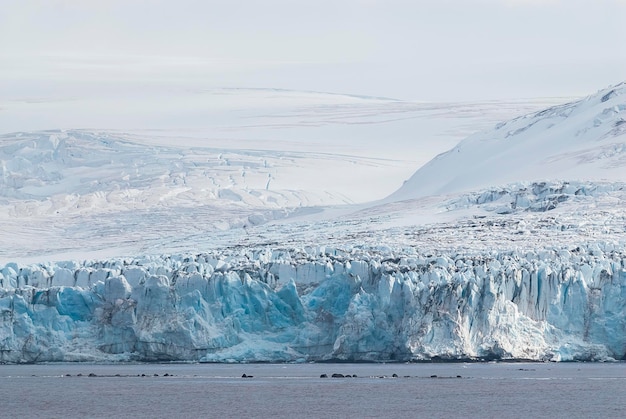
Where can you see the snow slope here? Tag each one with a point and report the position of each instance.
(582, 140)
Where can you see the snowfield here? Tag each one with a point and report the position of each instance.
(243, 157)
(214, 244)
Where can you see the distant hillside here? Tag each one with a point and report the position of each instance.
(579, 141)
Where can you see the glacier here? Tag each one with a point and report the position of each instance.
(320, 303)
(511, 246)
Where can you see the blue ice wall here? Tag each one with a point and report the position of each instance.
(318, 304)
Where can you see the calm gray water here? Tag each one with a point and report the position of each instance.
(485, 390)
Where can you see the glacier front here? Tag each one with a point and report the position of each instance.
(319, 304)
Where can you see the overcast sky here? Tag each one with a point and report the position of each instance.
(420, 49)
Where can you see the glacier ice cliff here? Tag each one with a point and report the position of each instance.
(314, 304)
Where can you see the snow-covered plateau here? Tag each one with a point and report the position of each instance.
(134, 246)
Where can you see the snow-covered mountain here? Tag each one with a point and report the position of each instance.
(510, 246)
(578, 141)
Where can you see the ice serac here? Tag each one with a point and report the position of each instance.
(319, 304)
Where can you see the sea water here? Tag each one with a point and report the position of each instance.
(437, 390)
